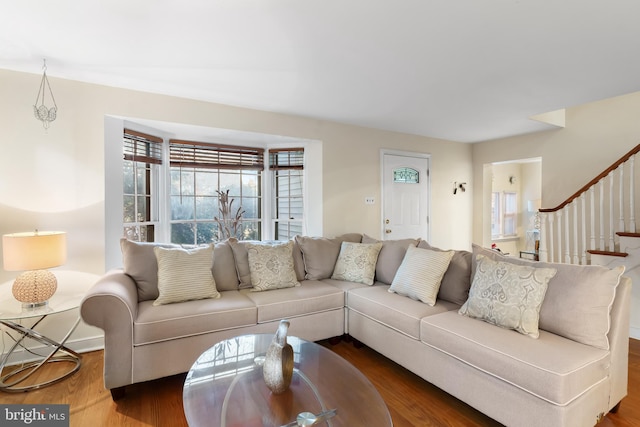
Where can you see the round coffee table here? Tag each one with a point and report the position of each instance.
(225, 388)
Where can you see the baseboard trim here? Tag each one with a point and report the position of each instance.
(634, 333)
(21, 355)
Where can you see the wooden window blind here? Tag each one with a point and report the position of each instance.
(286, 158)
(214, 156)
(141, 147)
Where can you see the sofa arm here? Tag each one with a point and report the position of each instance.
(112, 305)
(619, 341)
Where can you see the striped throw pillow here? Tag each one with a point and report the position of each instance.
(420, 274)
(185, 274)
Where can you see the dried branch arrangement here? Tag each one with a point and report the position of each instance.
(229, 222)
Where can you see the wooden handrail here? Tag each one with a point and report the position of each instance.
(595, 180)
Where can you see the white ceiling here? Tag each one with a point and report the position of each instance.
(463, 70)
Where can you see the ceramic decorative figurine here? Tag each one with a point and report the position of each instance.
(278, 363)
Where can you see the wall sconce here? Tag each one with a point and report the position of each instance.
(459, 186)
(34, 252)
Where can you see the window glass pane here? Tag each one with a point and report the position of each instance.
(206, 232)
(251, 207)
(182, 233)
(231, 182)
(250, 184)
(510, 203)
(206, 207)
(141, 214)
(141, 175)
(206, 182)
(129, 209)
(127, 177)
(509, 225)
(250, 230)
(182, 208)
(187, 183)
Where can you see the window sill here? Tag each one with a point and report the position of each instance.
(506, 239)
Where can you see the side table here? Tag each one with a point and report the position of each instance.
(72, 286)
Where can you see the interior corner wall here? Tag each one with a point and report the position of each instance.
(56, 179)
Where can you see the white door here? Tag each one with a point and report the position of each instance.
(405, 186)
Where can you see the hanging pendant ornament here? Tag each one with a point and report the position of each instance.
(42, 113)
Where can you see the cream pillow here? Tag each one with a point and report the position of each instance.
(184, 274)
(508, 295)
(271, 266)
(420, 274)
(357, 262)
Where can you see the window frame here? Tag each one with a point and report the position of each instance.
(113, 174)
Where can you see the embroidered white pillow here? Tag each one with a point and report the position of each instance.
(271, 266)
(420, 274)
(184, 274)
(357, 262)
(508, 295)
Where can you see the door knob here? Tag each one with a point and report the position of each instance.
(386, 221)
(387, 231)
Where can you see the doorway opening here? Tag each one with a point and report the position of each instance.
(512, 195)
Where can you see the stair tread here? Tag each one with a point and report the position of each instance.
(609, 253)
(625, 234)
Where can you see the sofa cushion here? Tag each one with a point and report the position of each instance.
(420, 274)
(394, 311)
(241, 258)
(507, 295)
(457, 279)
(184, 274)
(320, 254)
(139, 262)
(578, 300)
(553, 368)
(271, 266)
(311, 297)
(224, 269)
(357, 262)
(390, 257)
(168, 322)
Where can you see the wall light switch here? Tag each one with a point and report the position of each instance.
(369, 200)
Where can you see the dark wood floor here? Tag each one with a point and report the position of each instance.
(411, 401)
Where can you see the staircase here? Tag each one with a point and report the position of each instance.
(597, 225)
(594, 220)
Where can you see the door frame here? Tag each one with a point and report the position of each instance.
(415, 154)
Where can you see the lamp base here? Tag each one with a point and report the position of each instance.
(34, 288)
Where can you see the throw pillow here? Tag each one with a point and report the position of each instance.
(508, 295)
(271, 266)
(357, 262)
(184, 274)
(390, 257)
(579, 298)
(457, 279)
(320, 254)
(420, 274)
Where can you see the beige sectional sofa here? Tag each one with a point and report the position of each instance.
(573, 373)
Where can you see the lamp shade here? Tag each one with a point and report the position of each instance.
(34, 250)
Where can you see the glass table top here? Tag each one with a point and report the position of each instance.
(225, 387)
(72, 286)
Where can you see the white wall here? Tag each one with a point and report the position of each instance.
(56, 179)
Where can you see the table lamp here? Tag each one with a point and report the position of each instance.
(34, 252)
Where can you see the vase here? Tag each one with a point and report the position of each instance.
(277, 369)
